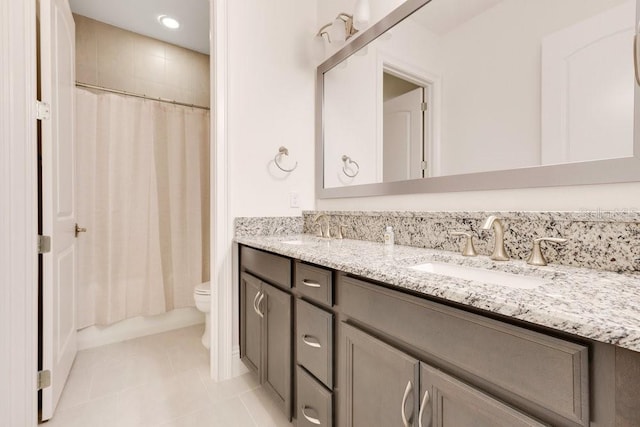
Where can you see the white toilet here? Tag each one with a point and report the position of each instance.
(202, 297)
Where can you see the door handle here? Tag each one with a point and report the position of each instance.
(307, 341)
(255, 304)
(260, 313)
(636, 55)
(312, 420)
(407, 392)
(79, 230)
(310, 283)
(425, 402)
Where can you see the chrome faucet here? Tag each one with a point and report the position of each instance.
(323, 221)
(499, 253)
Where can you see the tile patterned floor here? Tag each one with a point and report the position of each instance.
(160, 380)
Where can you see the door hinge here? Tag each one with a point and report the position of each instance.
(44, 379)
(423, 106)
(44, 244)
(424, 165)
(43, 110)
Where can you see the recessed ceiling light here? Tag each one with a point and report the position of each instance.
(169, 22)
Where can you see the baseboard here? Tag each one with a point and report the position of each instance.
(95, 336)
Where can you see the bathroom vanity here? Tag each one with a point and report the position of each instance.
(346, 333)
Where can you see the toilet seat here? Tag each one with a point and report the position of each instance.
(203, 289)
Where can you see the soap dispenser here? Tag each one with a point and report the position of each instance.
(389, 238)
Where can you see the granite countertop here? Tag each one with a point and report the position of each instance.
(599, 305)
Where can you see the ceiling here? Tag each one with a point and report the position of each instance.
(440, 17)
(141, 16)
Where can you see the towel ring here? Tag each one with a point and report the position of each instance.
(347, 165)
(282, 151)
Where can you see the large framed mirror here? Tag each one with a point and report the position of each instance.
(457, 95)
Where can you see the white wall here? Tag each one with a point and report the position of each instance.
(270, 103)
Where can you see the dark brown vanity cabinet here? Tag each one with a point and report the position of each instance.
(338, 350)
(266, 319)
(485, 368)
(385, 386)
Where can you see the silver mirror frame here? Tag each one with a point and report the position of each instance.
(619, 170)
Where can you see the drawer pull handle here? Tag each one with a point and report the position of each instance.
(425, 402)
(258, 305)
(307, 341)
(310, 283)
(407, 391)
(312, 420)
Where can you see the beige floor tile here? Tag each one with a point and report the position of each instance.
(96, 413)
(162, 400)
(76, 390)
(229, 413)
(263, 410)
(219, 391)
(188, 355)
(159, 380)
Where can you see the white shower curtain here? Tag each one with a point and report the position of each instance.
(143, 195)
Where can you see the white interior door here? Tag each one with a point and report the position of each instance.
(588, 89)
(402, 136)
(57, 50)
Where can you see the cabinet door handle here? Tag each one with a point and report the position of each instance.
(425, 402)
(636, 56)
(260, 313)
(407, 392)
(255, 304)
(312, 420)
(310, 283)
(307, 340)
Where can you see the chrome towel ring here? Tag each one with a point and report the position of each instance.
(283, 151)
(348, 166)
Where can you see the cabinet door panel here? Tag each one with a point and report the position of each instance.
(276, 376)
(375, 380)
(451, 403)
(251, 329)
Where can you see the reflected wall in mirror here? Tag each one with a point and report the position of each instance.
(467, 86)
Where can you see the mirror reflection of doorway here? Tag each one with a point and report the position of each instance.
(405, 134)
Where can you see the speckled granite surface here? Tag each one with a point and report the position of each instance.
(603, 306)
(268, 226)
(602, 240)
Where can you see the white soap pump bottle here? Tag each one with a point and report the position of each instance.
(389, 238)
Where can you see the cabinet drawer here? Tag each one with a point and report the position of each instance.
(267, 266)
(314, 283)
(314, 402)
(314, 341)
(546, 371)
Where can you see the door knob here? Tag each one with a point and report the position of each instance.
(80, 230)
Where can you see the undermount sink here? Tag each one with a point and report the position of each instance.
(481, 275)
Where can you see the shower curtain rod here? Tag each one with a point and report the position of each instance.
(136, 95)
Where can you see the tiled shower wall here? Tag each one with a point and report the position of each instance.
(114, 58)
(599, 240)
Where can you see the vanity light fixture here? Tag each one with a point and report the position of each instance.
(169, 22)
(342, 28)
